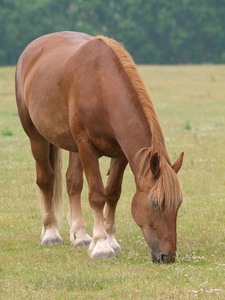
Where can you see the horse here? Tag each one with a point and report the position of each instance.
(84, 94)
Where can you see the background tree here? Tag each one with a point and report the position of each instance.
(154, 31)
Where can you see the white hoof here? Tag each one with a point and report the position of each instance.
(51, 237)
(113, 244)
(101, 249)
(80, 238)
(81, 242)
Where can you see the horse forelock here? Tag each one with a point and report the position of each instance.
(166, 191)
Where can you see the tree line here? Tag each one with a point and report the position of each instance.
(153, 31)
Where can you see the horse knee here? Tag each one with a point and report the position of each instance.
(113, 195)
(74, 184)
(97, 199)
(45, 181)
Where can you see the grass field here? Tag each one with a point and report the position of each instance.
(190, 102)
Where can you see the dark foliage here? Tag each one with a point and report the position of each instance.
(154, 31)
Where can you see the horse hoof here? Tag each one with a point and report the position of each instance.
(117, 250)
(101, 255)
(52, 242)
(82, 244)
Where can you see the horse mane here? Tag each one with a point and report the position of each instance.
(167, 186)
(158, 141)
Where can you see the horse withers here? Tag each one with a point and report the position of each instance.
(84, 94)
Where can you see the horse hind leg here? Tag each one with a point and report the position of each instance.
(49, 182)
(74, 178)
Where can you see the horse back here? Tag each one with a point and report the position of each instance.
(48, 53)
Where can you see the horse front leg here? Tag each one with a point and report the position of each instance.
(74, 179)
(113, 191)
(99, 247)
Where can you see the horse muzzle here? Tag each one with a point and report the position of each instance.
(162, 258)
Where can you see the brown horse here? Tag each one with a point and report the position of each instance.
(84, 94)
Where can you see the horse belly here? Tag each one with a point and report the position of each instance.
(105, 144)
(63, 140)
(50, 116)
(60, 136)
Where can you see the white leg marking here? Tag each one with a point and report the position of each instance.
(101, 249)
(50, 236)
(79, 236)
(113, 243)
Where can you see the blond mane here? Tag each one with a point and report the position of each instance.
(167, 186)
(158, 142)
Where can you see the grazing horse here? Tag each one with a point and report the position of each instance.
(84, 94)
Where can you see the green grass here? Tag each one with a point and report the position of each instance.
(187, 125)
(6, 131)
(190, 104)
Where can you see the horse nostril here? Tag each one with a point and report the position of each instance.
(165, 259)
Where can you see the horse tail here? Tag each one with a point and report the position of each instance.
(56, 163)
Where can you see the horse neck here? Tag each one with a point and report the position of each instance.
(132, 145)
(139, 143)
(131, 127)
(129, 110)
(133, 132)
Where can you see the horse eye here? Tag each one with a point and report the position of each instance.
(156, 205)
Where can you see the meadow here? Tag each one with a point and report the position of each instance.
(190, 103)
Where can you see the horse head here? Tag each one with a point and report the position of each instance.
(155, 206)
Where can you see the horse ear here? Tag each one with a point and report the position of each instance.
(177, 165)
(154, 165)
